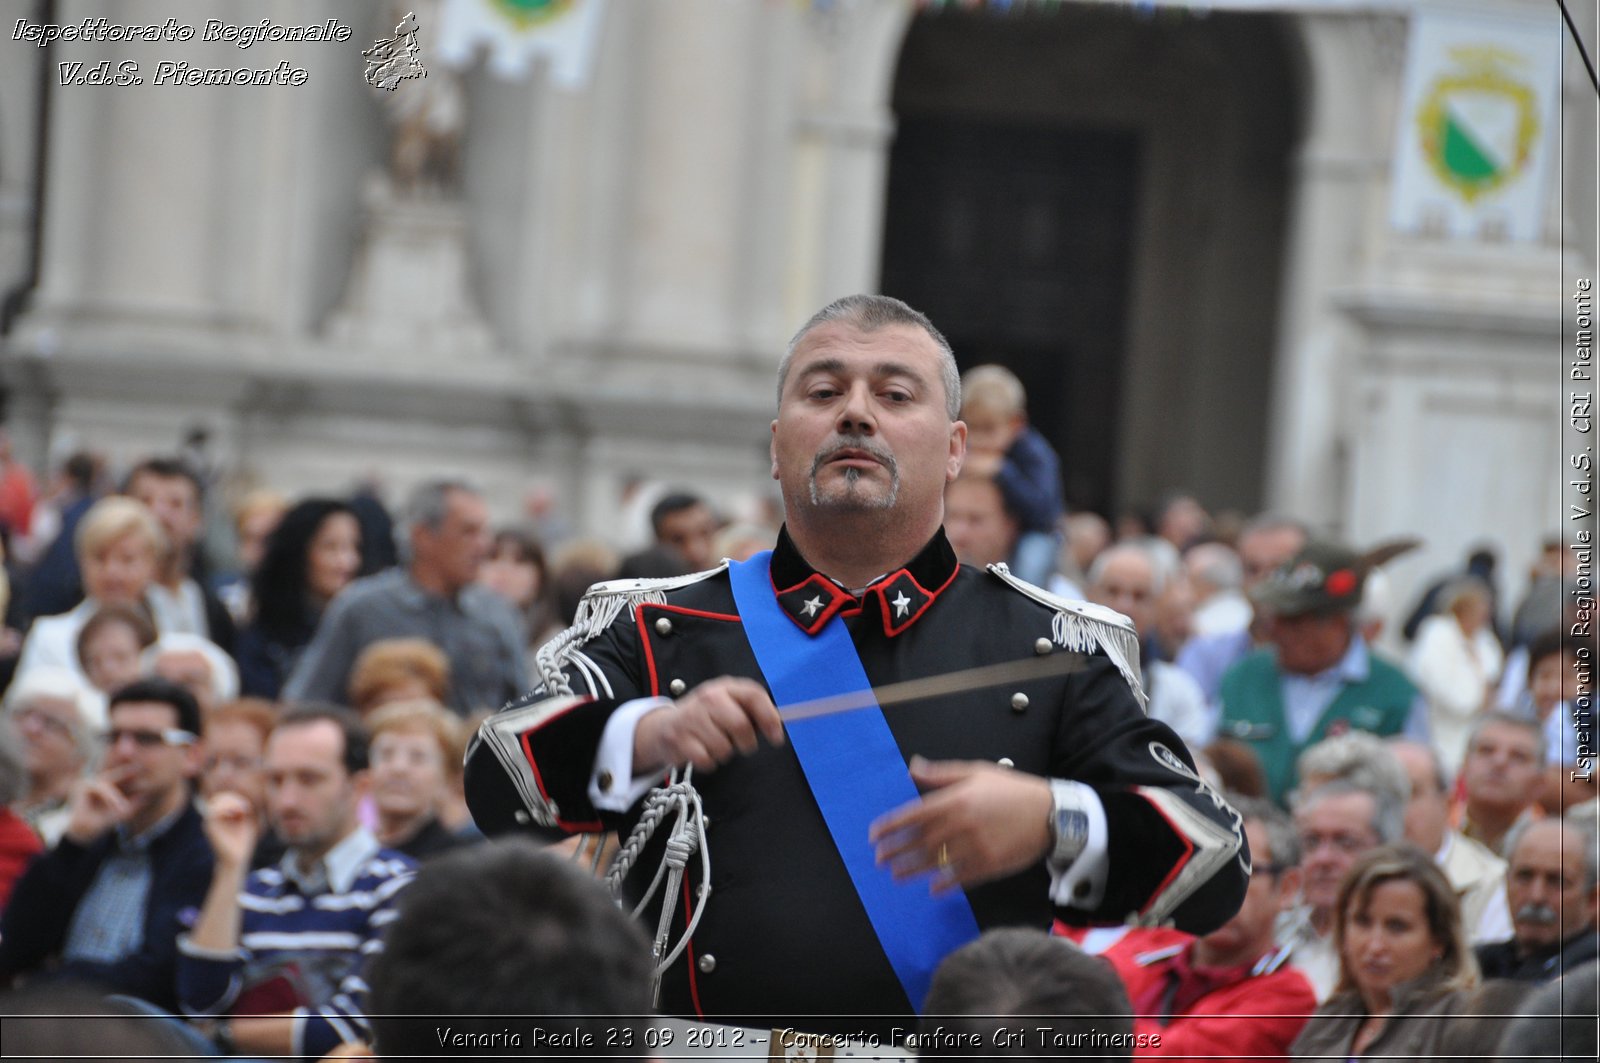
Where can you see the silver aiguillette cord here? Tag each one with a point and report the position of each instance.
(988, 675)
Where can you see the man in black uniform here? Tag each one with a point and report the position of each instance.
(1049, 796)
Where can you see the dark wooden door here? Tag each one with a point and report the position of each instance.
(1016, 240)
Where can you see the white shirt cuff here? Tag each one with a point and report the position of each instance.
(1082, 884)
(614, 758)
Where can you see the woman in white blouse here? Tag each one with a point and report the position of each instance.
(1455, 663)
(119, 545)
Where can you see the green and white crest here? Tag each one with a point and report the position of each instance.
(1478, 122)
(525, 14)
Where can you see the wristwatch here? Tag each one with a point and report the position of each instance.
(1069, 824)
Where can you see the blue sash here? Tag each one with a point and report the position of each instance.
(856, 773)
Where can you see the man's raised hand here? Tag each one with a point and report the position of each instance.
(97, 804)
(708, 726)
(232, 828)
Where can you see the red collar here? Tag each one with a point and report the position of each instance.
(900, 598)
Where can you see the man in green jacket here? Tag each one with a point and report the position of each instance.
(1319, 677)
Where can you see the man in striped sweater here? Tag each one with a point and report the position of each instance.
(277, 956)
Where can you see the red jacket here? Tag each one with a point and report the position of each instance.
(18, 845)
(1242, 1016)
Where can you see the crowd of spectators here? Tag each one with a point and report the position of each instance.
(225, 759)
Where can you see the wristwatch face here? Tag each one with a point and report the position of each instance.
(1071, 833)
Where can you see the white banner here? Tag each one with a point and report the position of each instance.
(515, 32)
(1478, 107)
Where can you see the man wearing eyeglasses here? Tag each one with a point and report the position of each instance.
(106, 905)
(1337, 822)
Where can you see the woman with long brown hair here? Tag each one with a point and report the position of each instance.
(1404, 964)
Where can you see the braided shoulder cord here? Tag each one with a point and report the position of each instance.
(680, 800)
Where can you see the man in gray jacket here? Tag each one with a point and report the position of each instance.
(435, 596)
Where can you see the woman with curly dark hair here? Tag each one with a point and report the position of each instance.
(312, 555)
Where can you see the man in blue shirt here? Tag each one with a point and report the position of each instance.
(107, 904)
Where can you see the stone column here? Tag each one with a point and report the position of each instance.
(841, 152)
(1351, 62)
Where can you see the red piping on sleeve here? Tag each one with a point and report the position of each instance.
(1188, 852)
(538, 779)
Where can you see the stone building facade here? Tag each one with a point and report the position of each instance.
(630, 258)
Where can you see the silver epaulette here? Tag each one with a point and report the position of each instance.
(599, 609)
(1083, 627)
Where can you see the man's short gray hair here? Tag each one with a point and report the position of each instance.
(1357, 757)
(870, 313)
(1216, 563)
(1139, 548)
(1500, 718)
(426, 507)
(1388, 813)
(1575, 825)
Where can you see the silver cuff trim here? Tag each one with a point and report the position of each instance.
(503, 734)
(1214, 845)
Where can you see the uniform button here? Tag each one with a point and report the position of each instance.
(1081, 890)
(677, 686)
(605, 780)
(663, 626)
(521, 817)
(1019, 701)
(1007, 762)
(707, 963)
(1042, 646)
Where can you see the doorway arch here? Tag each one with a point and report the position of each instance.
(1099, 200)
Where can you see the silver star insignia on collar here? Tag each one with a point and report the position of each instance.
(813, 605)
(901, 604)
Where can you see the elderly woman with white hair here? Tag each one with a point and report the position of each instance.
(119, 544)
(57, 718)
